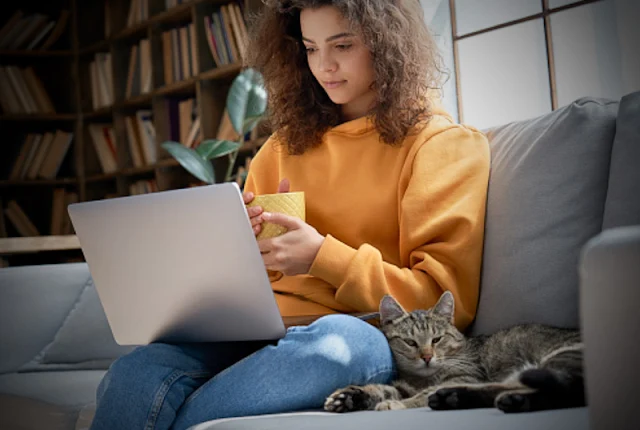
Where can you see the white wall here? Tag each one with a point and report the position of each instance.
(504, 73)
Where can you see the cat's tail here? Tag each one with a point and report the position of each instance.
(560, 373)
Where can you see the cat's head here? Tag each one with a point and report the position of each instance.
(421, 341)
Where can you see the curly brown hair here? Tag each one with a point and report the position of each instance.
(405, 59)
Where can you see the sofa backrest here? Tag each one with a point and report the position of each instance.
(51, 319)
(622, 207)
(547, 191)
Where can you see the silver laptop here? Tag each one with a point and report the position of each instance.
(178, 266)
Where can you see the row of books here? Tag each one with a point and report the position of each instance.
(138, 12)
(143, 186)
(41, 155)
(179, 54)
(226, 34)
(60, 221)
(104, 142)
(139, 73)
(141, 137)
(22, 92)
(32, 31)
(24, 226)
(101, 73)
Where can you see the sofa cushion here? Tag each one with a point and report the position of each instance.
(412, 419)
(51, 319)
(51, 400)
(623, 199)
(546, 197)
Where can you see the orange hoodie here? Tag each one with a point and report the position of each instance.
(405, 220)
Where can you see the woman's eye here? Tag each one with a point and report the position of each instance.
(310, 50)
(436, 340)
(343, 47)
(411, 343)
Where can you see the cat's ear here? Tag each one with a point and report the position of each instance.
(445, 306)
(390, 309)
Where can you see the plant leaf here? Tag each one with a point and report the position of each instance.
(247, 98)
(250, 123)
(214, 148)
(193, 162)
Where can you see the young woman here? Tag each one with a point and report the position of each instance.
(395, 196)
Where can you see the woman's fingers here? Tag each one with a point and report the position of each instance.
(254, 211)
(247, 197)
(284, 186)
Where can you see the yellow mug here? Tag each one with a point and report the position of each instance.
(291, 204)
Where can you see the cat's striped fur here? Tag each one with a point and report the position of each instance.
(523, 368)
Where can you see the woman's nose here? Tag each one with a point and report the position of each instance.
(327, 62)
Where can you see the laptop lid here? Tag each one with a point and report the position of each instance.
(178, 266)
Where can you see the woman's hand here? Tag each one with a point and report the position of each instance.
(293, 252)
(255, 212)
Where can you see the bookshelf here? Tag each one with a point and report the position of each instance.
(107, 117)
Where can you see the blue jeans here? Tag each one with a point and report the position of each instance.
(162, 386)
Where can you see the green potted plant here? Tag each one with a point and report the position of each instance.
(246, 105)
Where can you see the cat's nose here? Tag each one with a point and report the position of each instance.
(426, 358)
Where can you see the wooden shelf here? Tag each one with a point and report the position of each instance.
(221, 72)
(100, 113)
(26, 245)
(139, 101)
(182, 87)
(38, 182)
(68, 80)
(4, 53)
(101, 177)
(102, 45)
(39, 117)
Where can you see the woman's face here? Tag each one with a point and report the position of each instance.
(339, 60)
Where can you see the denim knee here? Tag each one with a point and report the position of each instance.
(370, 357)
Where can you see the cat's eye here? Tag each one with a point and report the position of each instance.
(436, 340)
(411, 343)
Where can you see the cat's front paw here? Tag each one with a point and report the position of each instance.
(390, 405)
(351, 398)
(450, 398)
(513, 402)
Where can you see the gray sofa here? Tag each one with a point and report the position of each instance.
(562, 247)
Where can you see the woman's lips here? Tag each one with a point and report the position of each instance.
(333, 84)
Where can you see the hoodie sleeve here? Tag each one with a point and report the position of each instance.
(441, 227)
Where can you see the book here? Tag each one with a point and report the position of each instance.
(43, 150)
(33, 149)
(69, 198)
(38, 38)
(133, 60)
(20, 220)
(144, 136)
(230, 37)
(37, 90)
(3, 226)
(21, 159)
(211, 41)
(167, 58)
(57, 211)
(57, 31)
(9, 26)
(56, 155)
(135, 150)
(106, 157)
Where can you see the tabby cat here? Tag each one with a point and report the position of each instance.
(524, 368)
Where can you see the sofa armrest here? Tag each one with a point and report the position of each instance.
(610, 316)
(51, 319)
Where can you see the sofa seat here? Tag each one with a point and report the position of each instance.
(412, 419)
(48, 400)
